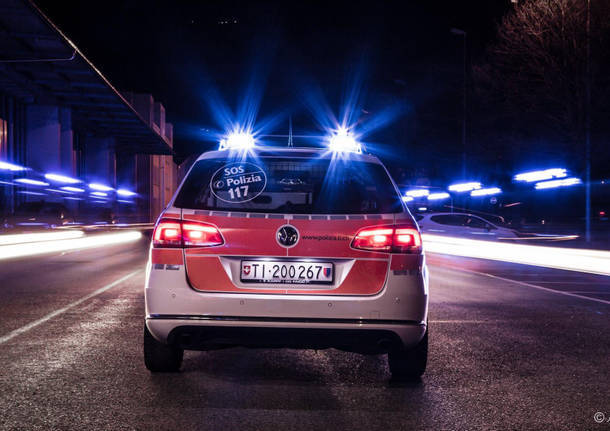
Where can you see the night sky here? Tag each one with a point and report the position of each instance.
(192, 54)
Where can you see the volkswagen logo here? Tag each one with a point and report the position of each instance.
(287, 236)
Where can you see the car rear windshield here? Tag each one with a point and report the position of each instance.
(289, 185)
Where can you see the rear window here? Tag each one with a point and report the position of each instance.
(289, 185)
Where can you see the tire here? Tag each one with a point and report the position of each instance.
(159, 357)
(409, 364)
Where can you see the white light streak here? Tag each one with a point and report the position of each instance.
(43, 247)
(34, 237)
(571, 259)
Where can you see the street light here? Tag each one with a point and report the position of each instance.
(458, 32)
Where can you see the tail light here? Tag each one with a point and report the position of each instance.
(390, 239)
(183, 233)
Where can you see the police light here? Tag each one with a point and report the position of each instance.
(61, 179)
(558, 183)
(486, 192)
(343, 141)
(464, 187)
(99, 194)
(407, 198)
(416, 193)
(237, 141)
(438, 196)
(547, 174)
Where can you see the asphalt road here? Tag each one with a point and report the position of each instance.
(503, 355)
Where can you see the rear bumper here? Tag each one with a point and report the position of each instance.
(357, 335)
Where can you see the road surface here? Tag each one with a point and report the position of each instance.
(533, 353)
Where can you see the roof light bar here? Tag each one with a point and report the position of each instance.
(464, 187)
(342, 141)
(558, 183)
(546, 174)
(486, 192)
(237, 141)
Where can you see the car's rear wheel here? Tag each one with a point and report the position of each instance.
(409, 364)
(159, 357)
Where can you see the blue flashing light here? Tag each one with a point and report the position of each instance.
(24, 192)
(416, 193)
(407, 198)
(464, 187)
(438, 196)
(342, 141)
(6, 166)
(546, 174)
(100, 187)
(238, 140)
(31, 182)
(99, 194)
(125, 192)
(486, 192)
(72, 189)
(572, 181)
(61, 179)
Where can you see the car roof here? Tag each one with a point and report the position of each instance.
(298, 152)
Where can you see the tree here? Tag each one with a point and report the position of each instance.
(535, 73)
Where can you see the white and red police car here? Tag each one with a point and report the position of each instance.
(287, 247)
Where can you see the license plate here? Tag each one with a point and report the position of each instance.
(258, 271)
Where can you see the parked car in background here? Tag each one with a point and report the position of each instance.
(39, 214)
(463, 225)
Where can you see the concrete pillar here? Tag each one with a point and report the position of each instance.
(42, 138)
(100, 163)
(67, 154)
(126, 171)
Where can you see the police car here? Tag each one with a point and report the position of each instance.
(287, 247)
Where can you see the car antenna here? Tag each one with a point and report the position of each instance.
(290, 131)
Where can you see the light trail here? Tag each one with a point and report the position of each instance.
(42, 247)
(571, 259)
(36, 237)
